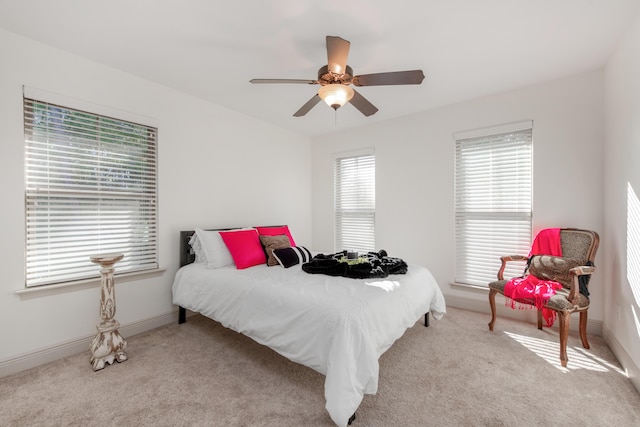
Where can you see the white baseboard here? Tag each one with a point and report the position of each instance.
(594, 327)
(36, 358)
(627, 363)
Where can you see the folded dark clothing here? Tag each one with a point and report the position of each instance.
(370, 265)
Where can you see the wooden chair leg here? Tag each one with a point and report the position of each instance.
(583, 329)
(492, 303)
(540, 319)
(564, 318)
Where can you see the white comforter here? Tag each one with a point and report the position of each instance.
(337, 326)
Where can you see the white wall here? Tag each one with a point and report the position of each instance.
(621, 205)
(216, 168)
(208, 178)
(415, 178)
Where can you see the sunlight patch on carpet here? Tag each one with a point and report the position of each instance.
(579, 358)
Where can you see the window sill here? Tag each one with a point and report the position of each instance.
(472, 288)
(38, 291)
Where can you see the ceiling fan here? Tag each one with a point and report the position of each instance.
(336, 76)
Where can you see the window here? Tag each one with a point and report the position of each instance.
(90, 185)
(355, 202)
(493, 208)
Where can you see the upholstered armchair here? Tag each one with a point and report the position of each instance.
(572, 271)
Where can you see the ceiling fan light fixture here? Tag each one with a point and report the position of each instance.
(335, 95)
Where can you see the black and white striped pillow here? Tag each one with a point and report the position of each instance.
(288, 257)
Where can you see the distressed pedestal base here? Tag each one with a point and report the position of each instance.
(107, 346)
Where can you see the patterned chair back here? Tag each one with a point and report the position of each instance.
(578, 244)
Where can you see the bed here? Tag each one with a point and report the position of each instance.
(337, 326)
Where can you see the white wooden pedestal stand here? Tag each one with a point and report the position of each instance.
(108, 345)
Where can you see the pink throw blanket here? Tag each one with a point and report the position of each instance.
(546, 242)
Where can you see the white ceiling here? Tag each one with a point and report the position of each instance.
(212, 48)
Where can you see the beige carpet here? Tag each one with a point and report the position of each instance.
(454, 373)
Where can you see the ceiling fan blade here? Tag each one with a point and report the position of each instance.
(362, 104)
(259, 81)
(412, 77)
(308, 106)
(337, 54)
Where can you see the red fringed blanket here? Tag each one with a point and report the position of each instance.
(530, 288)
(533, 289)
(547, 242)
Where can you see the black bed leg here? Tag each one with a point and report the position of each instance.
(351, 419)
(182, 315)
(426, 319)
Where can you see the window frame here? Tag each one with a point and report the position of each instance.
(53, 206)
(361, 231)
(490, 223)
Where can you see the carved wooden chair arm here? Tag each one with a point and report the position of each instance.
(576, 272)
(507, 258)
(582, 270)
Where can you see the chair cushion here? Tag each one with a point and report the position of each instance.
(558, 302)
(498, 285)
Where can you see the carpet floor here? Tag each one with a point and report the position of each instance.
(453, 373)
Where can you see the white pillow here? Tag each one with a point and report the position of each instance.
(196, 248)
(214, 251)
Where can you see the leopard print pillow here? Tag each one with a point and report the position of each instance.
(546, 267)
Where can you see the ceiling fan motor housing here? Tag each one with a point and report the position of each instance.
(327, 77)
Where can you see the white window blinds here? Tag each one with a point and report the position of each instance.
(355, 202)
(90, 189)
(493, 208)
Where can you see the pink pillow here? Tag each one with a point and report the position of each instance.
(245, 247)
(276, 231)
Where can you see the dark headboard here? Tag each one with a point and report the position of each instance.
(186, 255)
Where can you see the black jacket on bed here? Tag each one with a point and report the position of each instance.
(371, 265)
